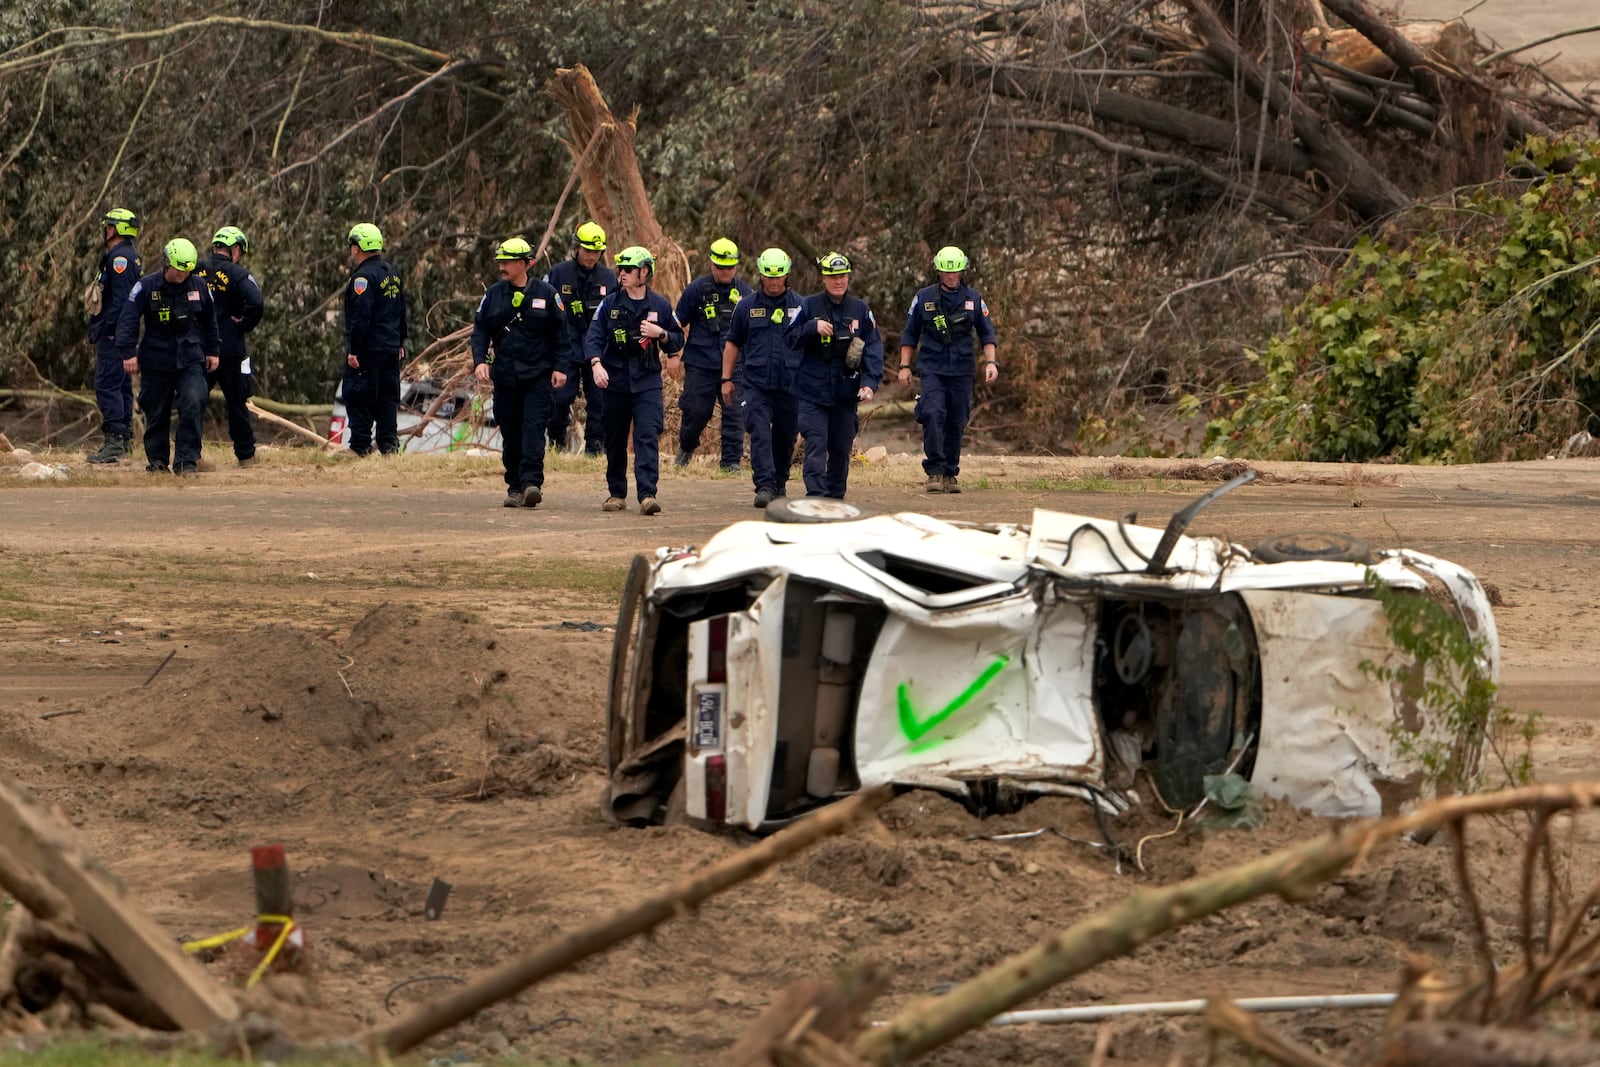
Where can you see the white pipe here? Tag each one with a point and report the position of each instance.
(1191, 1007)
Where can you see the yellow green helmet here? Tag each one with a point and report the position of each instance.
(514, 248)
(636, 256)
(724, 253)
(230, 237)
(833, 263)
(950, 259)
(125, 221)
(590, 236)
(367, 237)
(774, 263)
(180, 254)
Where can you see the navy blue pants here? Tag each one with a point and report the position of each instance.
(113, 391)
(522, 408)
(772, 417)
(372, 397)
(643, 415)
(159, 391)
(830, 433)
(701, 397)
(943, 410)
(237, 388)
(594, 398)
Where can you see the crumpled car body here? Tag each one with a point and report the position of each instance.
(780, 667)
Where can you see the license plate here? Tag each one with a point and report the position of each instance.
(708, 719)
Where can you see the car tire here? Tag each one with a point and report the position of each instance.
(1314, 546)
(811, 509)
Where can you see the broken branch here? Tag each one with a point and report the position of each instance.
(557, 955)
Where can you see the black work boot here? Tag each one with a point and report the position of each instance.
(112, 451)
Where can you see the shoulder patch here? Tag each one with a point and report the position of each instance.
(984, 304)
(359, 285)
(119, 264)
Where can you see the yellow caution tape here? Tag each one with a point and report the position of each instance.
(284, 922)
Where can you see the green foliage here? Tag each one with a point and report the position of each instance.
(1450, 708)
(1465, 334)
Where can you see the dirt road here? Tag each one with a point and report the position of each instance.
(400, 680)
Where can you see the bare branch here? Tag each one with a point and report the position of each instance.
(365, 120)
(1495, 57)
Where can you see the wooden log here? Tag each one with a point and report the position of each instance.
(28, 889)
(1292, 873)
(1468, 1045)
(1229, 1018)
(563, 952)
(807, 1021)
(147, 954)
(267, 416)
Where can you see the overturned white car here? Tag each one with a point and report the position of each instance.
(788, 664)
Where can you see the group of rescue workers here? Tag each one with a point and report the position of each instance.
(777, 365)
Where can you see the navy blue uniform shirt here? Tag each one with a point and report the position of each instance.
(528, 330)
(120, 268)
(179, 319)
(581, 291)
(240, 304)
(706, 311)
(759, 323)
(821, 375)
(374, 310)
(946, 326)
(632, 364)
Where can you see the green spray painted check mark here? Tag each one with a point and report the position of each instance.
(916, 728)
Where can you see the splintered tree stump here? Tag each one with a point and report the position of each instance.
(608, 173)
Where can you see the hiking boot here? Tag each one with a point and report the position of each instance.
(763, 498)
(248, 461)
(649, 506)
(513, 498)
(682, 458)
(951, 485)
(730, 468)
(531, 496)
(186, 470)
(613, 503)
(935, 484)
(156, 468)
(111, 451)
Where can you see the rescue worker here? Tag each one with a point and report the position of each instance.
(705, 308)
(521, 342)
(178, 349)
(240, 306)
(632, 336)
(581, 282)
(841, 364)
(758, 363)
(374, 343)
(946, 322)
(120, 269)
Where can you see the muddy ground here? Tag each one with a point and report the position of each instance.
(403, 681)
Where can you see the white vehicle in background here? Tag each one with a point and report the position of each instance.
(787, 664)
(463, 420)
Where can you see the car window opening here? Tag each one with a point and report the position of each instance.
(1178, 691)
(924, 576)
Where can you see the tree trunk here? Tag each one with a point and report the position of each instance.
(612, 186)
